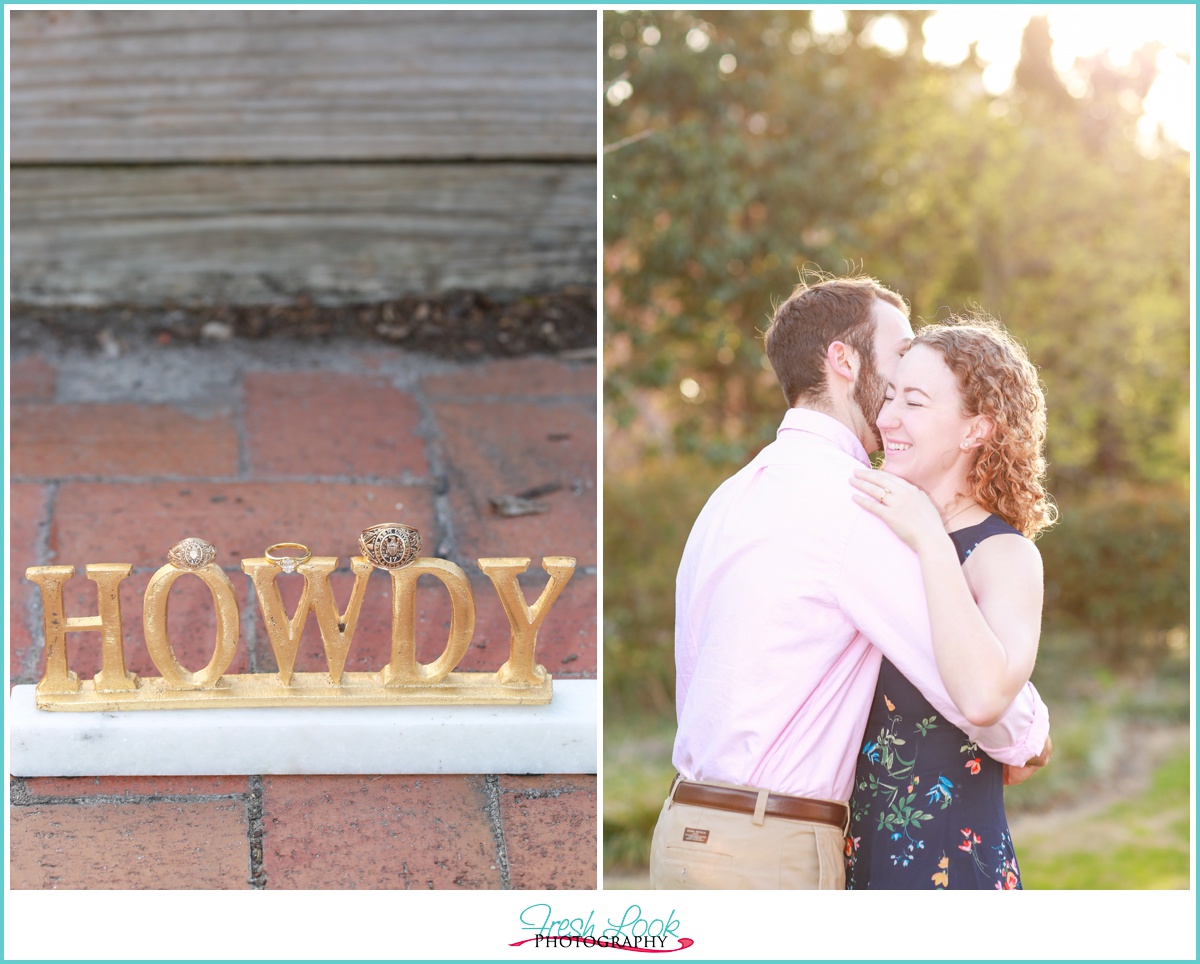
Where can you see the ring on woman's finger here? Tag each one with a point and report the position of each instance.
(883, 495)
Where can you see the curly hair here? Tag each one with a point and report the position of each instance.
(997, 380)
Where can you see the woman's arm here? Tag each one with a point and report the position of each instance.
(879, 589)
(985, 616)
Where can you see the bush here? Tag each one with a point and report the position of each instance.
(1118, 567)
(647, 518)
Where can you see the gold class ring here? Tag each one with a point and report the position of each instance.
(390, 545)
(191, 553)
(290, 560)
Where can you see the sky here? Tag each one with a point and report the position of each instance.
(1082, 30)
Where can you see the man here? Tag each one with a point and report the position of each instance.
(784, 586)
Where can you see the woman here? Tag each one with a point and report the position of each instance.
(963, 427)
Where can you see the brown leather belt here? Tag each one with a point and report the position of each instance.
(744, 801)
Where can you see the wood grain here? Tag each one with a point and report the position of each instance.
(219, 85)
(253, 234)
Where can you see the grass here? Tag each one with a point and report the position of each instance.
(1142, 843)
(1099, 723)
(637, 775)
(1096, 717)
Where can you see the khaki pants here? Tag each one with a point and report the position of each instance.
(696, 848)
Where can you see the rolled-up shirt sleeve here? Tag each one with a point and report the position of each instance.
(880, 590)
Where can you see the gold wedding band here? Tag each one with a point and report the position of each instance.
(289, 562)
(390, 545)
(191, 553)
(884, 494)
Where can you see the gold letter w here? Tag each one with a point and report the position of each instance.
(336, 629)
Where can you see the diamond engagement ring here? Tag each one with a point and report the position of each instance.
(291, 560)
(390, 545)
(191, 553)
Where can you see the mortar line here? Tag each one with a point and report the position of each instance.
(249, 629)
(240, 429)
(503, 399)
(255, 832)
(492, 786)
(32, 611)
(443, 515)
(534, 793)
(405, 479)
(25, 798)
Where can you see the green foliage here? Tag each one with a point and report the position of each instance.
(1096, 727)
(1141, 844)
(637, 774)
(1117, 566)
(1126, 867)
(647, 518)
(743, 146)
(749, 146)
(1095, 719)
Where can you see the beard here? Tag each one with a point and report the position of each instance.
(869, 391)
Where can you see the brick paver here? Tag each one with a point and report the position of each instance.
(311, 444)
(63, 441)
(240, 519)
(395, 832)
(44, 788)
(518, 377)
(137, 846)
(550, 829)
(506, 450)
(32, 378)
(348, 425)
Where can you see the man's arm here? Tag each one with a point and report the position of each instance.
(880, 590)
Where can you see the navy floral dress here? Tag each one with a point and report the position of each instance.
(928, 806)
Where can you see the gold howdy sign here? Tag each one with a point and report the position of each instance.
(403, 680)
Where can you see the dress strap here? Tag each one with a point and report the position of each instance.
(966, 539)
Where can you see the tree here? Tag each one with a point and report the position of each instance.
(745, 145)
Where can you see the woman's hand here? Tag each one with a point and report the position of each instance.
(909, 512)
(1014, 775)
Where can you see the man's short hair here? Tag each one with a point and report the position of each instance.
(816, 314)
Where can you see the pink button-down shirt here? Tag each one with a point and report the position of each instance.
(784, 585)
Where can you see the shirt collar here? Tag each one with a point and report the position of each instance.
(823, 426)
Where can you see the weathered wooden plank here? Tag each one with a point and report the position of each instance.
(192, 85)
(343, 232)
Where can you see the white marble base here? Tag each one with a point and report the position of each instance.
(558, 738)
